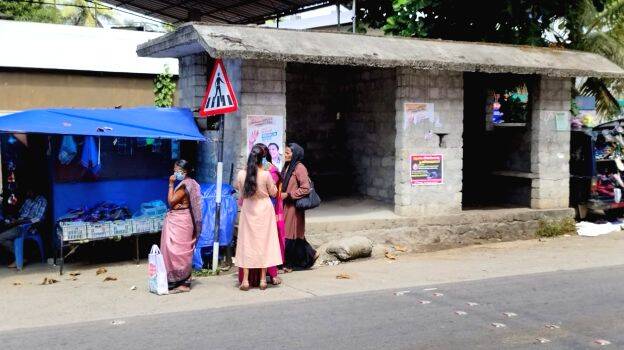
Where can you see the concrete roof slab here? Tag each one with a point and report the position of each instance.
(250, 42)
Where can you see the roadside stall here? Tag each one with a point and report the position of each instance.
(107, 169)
(596, 167)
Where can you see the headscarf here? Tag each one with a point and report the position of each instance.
(195, 199)
(297, 157)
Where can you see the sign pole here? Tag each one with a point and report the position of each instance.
(219, 99)
(215, 244)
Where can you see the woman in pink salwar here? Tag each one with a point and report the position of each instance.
(181, 227)
(278, 205)
(258, 244)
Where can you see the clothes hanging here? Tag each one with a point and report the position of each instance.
(68, 151)
(90, 158)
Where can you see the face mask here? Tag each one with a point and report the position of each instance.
(179, 175)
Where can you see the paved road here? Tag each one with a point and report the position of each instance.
(586, 305)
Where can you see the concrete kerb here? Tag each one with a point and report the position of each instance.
(458, 229)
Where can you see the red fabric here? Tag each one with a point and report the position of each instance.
(604, 189)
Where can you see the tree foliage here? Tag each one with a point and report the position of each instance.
(515, 22)
(164, 89)
(30, 11)
(87, 13)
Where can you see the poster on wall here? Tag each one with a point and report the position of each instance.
(416, 113)
(426, 169)
(562, 121)
(267, 129)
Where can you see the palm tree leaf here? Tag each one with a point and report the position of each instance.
(606, 103)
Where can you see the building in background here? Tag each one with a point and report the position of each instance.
(50, 65)
(320, 19)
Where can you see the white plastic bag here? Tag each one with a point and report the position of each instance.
(157, 273)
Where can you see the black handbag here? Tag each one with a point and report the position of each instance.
(311, 201)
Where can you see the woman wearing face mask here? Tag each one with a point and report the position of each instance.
(181, 227)
(258, 245)
(299, 254)
(278, 205)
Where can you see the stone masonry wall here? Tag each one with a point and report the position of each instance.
(445, 90)
(262, 92)
(550, 149)
(344, 118)
(194, 70)
(314, 123)
(371, 131)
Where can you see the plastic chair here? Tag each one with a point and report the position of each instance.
(27, 231)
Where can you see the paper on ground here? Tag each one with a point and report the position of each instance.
(589, 229)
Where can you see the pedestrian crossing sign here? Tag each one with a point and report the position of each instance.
(219, 98)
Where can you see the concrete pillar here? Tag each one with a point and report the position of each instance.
(194, 70)
(550, 148)
(262, 92)
(445, 91)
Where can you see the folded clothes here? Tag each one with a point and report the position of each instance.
(104, 211)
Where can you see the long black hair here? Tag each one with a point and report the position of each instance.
(251, 178)
(289, 167)
(265, 149)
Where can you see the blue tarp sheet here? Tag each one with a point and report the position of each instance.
(144, 122)
(229, 211)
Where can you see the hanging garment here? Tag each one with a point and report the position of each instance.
(90, 158)
(68, 151)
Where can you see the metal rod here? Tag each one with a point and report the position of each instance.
(62, 258)
(354, 18)
(215, 244)
(136, 245)
(338, 14)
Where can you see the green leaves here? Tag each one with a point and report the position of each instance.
(33, 12)
(164, 89)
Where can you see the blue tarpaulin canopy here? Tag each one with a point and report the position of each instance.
(144, 122)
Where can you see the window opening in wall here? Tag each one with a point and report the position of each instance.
(497, 141)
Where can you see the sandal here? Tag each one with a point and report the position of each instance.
(263, 286)
(244, 287)
(276, 281)
(287, 270)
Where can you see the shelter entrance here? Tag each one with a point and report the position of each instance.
(497, 141)
(344, 118)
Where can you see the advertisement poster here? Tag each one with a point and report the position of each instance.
(426, 169)
(418, 113)
(562, 121)
(267, 129)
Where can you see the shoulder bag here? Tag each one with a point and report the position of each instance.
(311, 201)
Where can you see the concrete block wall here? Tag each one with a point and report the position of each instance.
(371, 130)
(312, 104)
(445, 90)
(344, 118)
(550, 149)
(262, 92)
(194, 71)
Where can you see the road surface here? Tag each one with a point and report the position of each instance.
(581, 307)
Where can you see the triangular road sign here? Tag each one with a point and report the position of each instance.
(219, 98)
